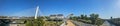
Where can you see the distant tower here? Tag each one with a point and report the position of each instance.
(36, 13)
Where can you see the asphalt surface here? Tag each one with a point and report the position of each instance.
(81, 24)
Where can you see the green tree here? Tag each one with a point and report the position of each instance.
(86, 18)
(82, 16)
(75, 18)
(95, 19)
(99, 22)
(35, 22)
(70, 16)
(29, 23)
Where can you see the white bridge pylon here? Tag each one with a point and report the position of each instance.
(36, 13)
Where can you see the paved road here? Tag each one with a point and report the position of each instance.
(81, 24)
(106, 23)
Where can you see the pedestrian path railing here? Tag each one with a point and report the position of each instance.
(63, 24)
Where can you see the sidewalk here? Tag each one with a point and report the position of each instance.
(69, 23)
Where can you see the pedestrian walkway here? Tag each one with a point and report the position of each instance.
(69, 23)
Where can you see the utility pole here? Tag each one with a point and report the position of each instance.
(36, 13)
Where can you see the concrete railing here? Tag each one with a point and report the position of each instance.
(63, 24)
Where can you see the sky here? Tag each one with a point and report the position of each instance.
(105, 8)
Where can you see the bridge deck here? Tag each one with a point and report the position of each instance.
(69, 23)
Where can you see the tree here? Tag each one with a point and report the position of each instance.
(70, 16)
(95, 19)
(99, 22)
(86, 18)
(111, 18)
(82, 16)
(29, 23)
(36, 22)
(75, 18)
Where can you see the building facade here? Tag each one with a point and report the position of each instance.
(56, 16)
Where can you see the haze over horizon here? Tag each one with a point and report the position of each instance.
(105, 8)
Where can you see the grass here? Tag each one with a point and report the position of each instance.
(53, 23)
